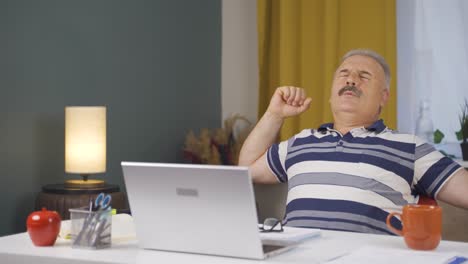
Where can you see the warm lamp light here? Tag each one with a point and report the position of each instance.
(85, 143)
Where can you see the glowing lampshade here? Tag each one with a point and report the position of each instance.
(85, 140)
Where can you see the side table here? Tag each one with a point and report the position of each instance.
(57, 197)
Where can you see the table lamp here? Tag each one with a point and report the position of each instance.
(85, 144)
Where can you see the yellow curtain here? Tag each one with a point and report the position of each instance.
(301, 43)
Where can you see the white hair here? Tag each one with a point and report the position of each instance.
(374, 55)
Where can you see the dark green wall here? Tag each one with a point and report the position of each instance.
(154, 64)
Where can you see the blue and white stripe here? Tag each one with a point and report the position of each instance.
(352, 182)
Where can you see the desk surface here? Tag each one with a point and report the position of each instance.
(19, 249)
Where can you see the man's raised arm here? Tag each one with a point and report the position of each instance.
(286, 101)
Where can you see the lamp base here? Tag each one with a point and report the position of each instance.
(84, 184)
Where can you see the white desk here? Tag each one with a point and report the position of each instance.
(19, 249)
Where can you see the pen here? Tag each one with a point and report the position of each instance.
(457, 260)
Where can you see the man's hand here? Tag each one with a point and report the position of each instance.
(288, 101)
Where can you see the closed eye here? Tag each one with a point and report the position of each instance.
(343, 73)
(365, 75)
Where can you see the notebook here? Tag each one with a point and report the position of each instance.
(203, 209)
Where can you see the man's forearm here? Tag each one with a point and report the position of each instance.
(454, 191)
(260, 139)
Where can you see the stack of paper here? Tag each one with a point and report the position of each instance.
(289, 235)
(377, 255)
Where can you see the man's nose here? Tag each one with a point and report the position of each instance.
(351, 80)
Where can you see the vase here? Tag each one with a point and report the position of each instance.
(464, 148)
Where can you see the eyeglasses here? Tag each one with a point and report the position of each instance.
(271, 225)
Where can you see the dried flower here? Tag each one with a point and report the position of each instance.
(219, 147)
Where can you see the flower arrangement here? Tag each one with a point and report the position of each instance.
(463, 118)
(463, 133)
(221, 146)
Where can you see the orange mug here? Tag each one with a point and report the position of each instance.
(422, 226)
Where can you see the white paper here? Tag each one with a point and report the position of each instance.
(390, 256)
(290, 234)
(123, 228)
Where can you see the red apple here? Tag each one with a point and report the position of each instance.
(43, 227)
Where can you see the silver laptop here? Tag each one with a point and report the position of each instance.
(202, 209)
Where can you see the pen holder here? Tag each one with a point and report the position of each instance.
(91, 229)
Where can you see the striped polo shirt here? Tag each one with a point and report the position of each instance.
(351, 182)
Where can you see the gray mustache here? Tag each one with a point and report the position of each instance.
(351, 88)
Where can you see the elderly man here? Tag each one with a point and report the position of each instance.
(349, 174)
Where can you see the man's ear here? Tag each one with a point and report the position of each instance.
(385, 95)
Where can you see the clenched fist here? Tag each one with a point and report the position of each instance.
(288, 101)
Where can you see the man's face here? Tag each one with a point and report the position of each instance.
(369, 93)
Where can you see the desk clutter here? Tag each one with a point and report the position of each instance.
(97, 226)
(122, 229)
(330, 247)
(91, 229)
(91, 226)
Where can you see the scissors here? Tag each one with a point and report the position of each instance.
(102, 202)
